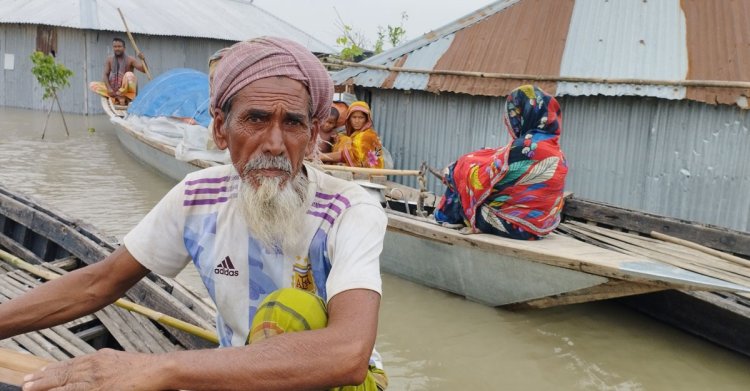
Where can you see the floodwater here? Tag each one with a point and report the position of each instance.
(430, 340)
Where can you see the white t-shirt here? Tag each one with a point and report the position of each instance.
(199, 219)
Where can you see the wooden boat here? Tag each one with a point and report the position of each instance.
(54, 242)
(151, 152)
(564, 268)
(484, 268)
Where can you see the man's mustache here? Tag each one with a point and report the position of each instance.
(265, 162)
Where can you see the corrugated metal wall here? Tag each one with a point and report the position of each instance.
(677, 158)
(84, 52)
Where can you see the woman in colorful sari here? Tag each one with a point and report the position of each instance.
(515, 191)
(360, 146)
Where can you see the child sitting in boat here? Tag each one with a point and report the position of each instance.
(515, 191)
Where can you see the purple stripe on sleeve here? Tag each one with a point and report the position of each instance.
(206, 191)
(337, 197)
(210, 201)
(324, 216)
(207, 180)
(329, 205)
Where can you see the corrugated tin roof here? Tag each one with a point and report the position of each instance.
(230, 20)
(667, 48)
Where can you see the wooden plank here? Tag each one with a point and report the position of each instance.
(154, 335)
(670, 257)
(712, 236)
(665, 251)
(707, 250)
(19, 250)
(609, 290)
(121, 334)
(554, 250)
(33, 347)
(17, 365)
(148, 294)
(48, 346)
(71, 349)
(144, 341)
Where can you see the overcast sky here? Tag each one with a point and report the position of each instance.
(318, 17)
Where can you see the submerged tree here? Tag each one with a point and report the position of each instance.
(52, 76)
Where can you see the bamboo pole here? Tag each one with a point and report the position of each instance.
(122, 303)
(704, 249)
(54, 94)
(17, 365)
(135, 47)
(44, 131)
(570, 79)
(369, 171)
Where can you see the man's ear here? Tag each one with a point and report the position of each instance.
(312, 144)
(218, 130)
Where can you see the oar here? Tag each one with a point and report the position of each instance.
(135, 47)
(122, 303)
(14, 366)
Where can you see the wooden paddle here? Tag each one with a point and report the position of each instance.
(164, 319)
(135, 47)
(14, 366)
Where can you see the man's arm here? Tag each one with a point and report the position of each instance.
(318, 359)
(138, 64)
(79, 293)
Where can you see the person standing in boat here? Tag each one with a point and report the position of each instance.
(280, 246)
(360, 146)
(515, 191)
(119, 82)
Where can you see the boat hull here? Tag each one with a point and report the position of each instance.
(158, 159)
(490, 278)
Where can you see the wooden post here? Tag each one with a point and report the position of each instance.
(54, 94)
(46, 121)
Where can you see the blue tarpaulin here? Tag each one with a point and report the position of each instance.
(180, 92)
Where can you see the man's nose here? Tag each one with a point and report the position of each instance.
(274, 141)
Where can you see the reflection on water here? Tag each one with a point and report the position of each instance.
(430, 340)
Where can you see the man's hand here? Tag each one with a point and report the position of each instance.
(141, 56)
(106, 369)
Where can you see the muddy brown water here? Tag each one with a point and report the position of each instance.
(430, 340)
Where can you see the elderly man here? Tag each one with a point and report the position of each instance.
(270, 236)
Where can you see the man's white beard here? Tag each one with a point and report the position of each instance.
(274, 214)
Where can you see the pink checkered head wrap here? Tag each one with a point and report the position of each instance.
(259, 58)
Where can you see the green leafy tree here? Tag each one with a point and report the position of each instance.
(394, 34)
(52, 76)
(353, 43)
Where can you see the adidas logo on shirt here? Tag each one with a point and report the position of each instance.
(226, 268)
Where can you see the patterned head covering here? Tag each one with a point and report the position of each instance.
(529, 109)
(259, 58)
(362, 107)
